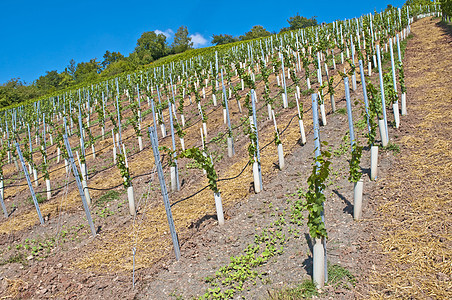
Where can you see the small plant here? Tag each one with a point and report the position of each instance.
(401, 77)
(107, 197)
(390, 92)
(339, 277)
(355, 170)
(206, 163)
(314, 195)
(16, 258)
(306, 289)
(170, 153)
(341, 111)
(39, 197)
(392, 147)
(343, 148)
(124, 170)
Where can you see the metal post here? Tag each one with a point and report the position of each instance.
(253, 99)
(227, 110)
(398, 48)
(382, 90)
(79, 184)
(169, 215)
(366, 102)
(284, 76)
(119, 121)
(349, 111)
(316, 127)
(30, 186)
(174, 143)
(153, 112)
(5, 212)
(394, 80)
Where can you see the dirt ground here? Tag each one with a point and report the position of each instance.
(388, 252)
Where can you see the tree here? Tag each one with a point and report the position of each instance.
(150, 47)
(117, 67)
(182, 42)
(66, 79)
(256, 32)
(298, 22)
(51, 81)
(87, 71)
(446, 7)
(110, 57)
(223, 39)
(419, 2)
(71, 68)
(15, 91)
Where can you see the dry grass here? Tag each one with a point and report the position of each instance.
(416, 237)
(13, 288)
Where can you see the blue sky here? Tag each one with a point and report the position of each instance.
(39, 36)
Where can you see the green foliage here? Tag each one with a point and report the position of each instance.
(339, 277)
(16, 258)
(252, 147)
(300, 106)
(298, 22)
(150, 47)
(374, 100)
(341, 111)
(256, 32)
(355, 170)
(221, 39)
(401, 77)
(182, 42)
(171, 155)
(39, 197)
(135, 120)
(87, 71)
(370, 117)
(306, 290)
(392, 147)
(230, 279)
(277, 140)
(446, 7)
(15, 91)
(390, 92)
(123, 169)
(314, 195)
(206, 163)
(111, 57)
(117, 67)
(107, 197)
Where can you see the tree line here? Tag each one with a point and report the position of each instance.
(150, 47)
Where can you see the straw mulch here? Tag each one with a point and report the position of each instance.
(416, 211)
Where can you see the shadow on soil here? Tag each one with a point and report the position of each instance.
(349, 207)
(446, 27)
(198, 223)
(307, 263)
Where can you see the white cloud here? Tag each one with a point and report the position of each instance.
(168, 33)
(198, 40)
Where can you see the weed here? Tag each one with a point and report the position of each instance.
(341, 111)
(392, 147)
(107, 197)
(39, 197)
(178, 297)
(306, 289)
(104, 213)
(340, 277)
(17, 258)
